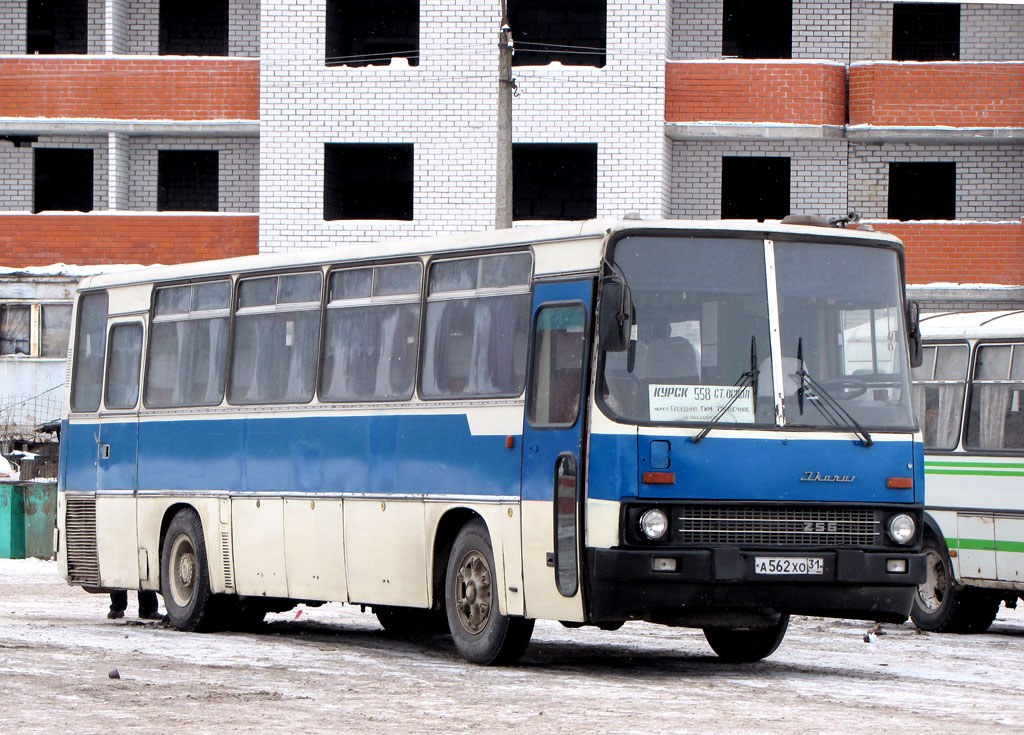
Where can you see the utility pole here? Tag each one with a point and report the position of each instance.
(503, 181)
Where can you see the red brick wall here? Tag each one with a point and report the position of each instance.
(959, 95)
(135, 89)
(968, 252)
(90, 239)
(740, 91)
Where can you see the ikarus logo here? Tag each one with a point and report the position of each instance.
(812, 476)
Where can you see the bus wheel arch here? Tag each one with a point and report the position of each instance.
(184, 571)
(941, 603)
(481, 632)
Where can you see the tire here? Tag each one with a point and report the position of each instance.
(943, 606)
(482, 634)
(411, 621)
(746, 645)
(184, 574)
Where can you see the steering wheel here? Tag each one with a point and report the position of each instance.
(843, 389)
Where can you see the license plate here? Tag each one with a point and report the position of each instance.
(788, 565)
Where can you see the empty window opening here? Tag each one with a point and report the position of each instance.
(368, 181)
(194, 27)
(364, 34)
(757, 29)
(554, 181)
(571, 32)
(187, 181)
(926, 32)
(63, 179)
(922, 190)
(57, 27)
(755, 188)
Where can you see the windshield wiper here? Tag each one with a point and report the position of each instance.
(824, 402)
(748, 379)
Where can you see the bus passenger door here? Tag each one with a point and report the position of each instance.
(117, 457)
(553, 451)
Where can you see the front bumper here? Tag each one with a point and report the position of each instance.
(853, 584)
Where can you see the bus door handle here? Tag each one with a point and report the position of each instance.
(104, 451)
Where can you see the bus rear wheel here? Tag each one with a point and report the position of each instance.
(746, 645)
(184, 575)
(941, 605)
(482, 634)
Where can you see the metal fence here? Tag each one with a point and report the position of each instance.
(22, 417)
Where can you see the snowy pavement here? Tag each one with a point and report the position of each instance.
(333, 670)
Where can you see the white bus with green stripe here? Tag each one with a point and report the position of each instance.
(969, 398)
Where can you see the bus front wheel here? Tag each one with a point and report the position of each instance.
(482, 634)
(184, 575)
(943, 606)
(746, 645)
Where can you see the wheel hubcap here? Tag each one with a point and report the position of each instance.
(932, 591)
(183, 571)
(473, 592)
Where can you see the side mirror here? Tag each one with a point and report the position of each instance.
(914, 334)
(616, 319)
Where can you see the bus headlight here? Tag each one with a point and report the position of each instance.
(902, 528)
(654, 524)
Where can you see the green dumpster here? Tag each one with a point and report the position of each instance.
(28, 513)
(12, 521)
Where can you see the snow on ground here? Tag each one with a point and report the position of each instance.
(332, 669)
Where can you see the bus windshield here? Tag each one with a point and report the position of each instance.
(701, 335)
(701, 321)
(840, 310)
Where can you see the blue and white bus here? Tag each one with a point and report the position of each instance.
(702, 424)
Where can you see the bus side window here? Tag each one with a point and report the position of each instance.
(90, 349)
(277, 334)
(188, 344)
(996, 419)
(477, 327)
(123, 362)
(371, 333)
(938, 394)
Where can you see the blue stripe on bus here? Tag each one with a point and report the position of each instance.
(726, 468)
(437, 454)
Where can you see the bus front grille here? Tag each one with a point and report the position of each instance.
(80, 537)
(775, 526)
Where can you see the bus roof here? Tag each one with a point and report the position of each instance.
(595, 229)
(972, 324)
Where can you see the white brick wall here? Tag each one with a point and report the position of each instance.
(821, 29)
(696, 29)
(238, 161)
(244, 28)
(142, 32)
(817, 175)
(16, 173)
(15, 178)
(445, 107)
(870, 30)
(118, 181)
(991, 32)
(12, 28)
(116, 41)
(989, 179)
(97, 14)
